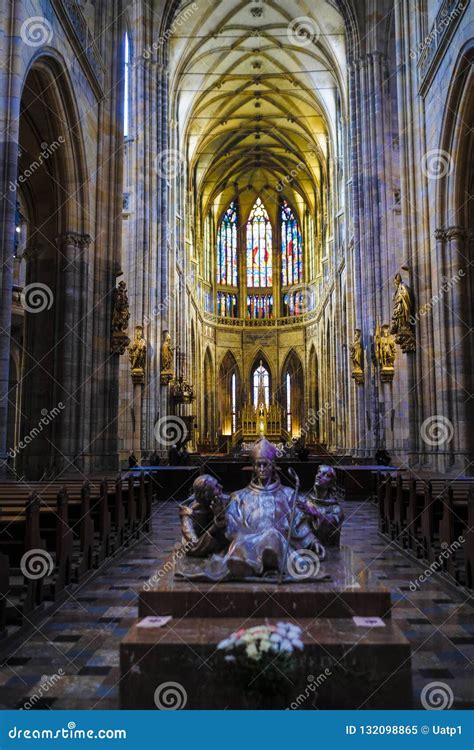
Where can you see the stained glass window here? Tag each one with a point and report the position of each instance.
(291, 248)
(261, 384)
(227, 305)
(207, 247)
(260, 306)
(296, 303)
(259, 247)
(227, 248)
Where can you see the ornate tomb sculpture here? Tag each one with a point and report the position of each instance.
(322, 508)
(265, 528)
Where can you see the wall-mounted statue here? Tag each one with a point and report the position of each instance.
(120, 318)
(121, 311)
(357, 358)
(385, 352)
(167, 367)
(137, 354)
(402, 326)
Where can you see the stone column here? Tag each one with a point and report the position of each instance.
(453, 359)
(10, 93)
(371, 171)
(72, 341)
(102, 439)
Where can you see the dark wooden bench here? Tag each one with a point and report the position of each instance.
(428, 514)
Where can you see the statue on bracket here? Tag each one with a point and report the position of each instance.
(137, 355)
(167, 368)
(356, 357)
(385, 352)
(120, 318)
(402, 326)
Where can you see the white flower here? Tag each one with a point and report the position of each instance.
(252, 652)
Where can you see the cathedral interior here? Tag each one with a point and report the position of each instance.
(236, 223)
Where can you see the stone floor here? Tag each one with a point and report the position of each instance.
(71, 659)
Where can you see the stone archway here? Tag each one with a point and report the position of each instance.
(56, 287)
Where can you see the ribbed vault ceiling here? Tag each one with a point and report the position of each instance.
(255, 86)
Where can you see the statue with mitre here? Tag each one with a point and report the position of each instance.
(264, 525)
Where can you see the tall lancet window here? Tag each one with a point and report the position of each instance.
(126, 88)
(233, 395)
(288, 402)
(291, 247)
(259, 247)
(261, 386)
(227, 248)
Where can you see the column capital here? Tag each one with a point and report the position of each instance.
(74, 239)
(452, 233)
(32, 252)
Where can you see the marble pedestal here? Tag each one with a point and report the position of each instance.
(341, 667)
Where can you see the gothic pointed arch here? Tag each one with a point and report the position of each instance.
(209, 431)
(261, 376)
(292, 391)
(229, 383)
(313, 396)
(53, 199)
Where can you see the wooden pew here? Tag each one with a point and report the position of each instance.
(20, 534)
(78, 524)
(428, 514)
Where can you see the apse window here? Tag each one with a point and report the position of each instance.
(259, 247)
(227, 248)
(261, 386)
(291, 247)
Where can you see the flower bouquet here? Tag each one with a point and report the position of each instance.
(262, 658)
